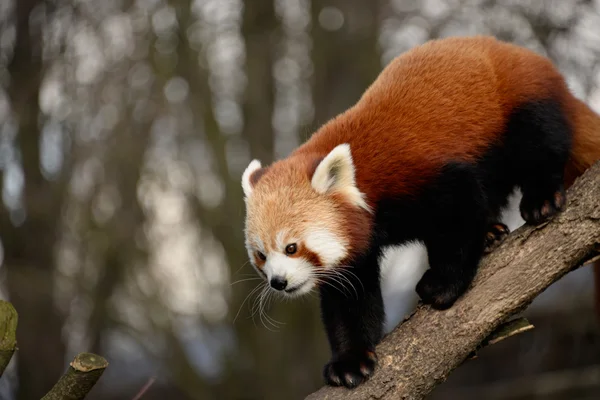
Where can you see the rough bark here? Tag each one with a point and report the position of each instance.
(423, 351)
(8, 333)
(82, 375)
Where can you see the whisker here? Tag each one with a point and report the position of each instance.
(342, 276)
(243, 265)
(245, 299)
(332, 277)
(326, 282)
(248, 274)
(347, 269)
(270, 319)
(339, 277)
(256, 304)
(340, 272)
(261, 307)
(262, 314)
(246, 280)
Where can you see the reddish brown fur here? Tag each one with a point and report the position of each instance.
(310, 256)
(284, 194)
(257, 260)
(260, 263)
(256, 175)
(399, 123)
(455, 94)
(586, 139)
(357, 224)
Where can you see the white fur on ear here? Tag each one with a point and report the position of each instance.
(246, 184)
(336, 174)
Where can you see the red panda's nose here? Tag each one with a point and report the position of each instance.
(278, 283)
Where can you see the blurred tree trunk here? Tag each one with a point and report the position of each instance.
(259, 28)
(346, 60)
(29, 247)
(123, 167)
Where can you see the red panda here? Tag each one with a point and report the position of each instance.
(429, 153)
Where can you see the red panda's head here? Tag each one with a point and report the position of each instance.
(304, 216)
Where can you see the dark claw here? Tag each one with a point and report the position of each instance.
(438, 291)
(536, 208)
(495, 236)
(350, 369)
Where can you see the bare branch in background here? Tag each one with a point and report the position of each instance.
(75, 384)
(82, 375)
(144, 389)
(8, 333)
(424, 350)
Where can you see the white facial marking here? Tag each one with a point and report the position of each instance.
(336, 174)
(280, 239)
(297, 272)
(329, 248)
(255, 243)
(251, 168)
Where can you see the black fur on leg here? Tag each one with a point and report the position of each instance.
(539, 137)
(449, 215)
(452, 214)
(455, 246)
(354, 322)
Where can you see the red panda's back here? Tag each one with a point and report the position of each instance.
(446, 100)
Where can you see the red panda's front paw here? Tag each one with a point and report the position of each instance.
(438, 291)
(495, 236)
(350, 369)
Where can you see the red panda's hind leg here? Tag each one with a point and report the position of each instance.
(538, 144)
(538, 206)
(457, 214)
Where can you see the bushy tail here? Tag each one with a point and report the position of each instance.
(585, 153)
(586, 141)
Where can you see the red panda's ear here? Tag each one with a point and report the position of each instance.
(250, 176)
(335, 173)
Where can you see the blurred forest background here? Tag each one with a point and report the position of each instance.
(125, 126)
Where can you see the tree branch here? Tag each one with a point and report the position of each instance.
(8, 333)
(82, 375)
(424, 349)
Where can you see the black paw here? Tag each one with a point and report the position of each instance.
(495, 235)
(536, 208)
(438, 291)
(350, 369)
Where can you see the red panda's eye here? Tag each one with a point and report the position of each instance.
(291, 248)
(261, 255)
